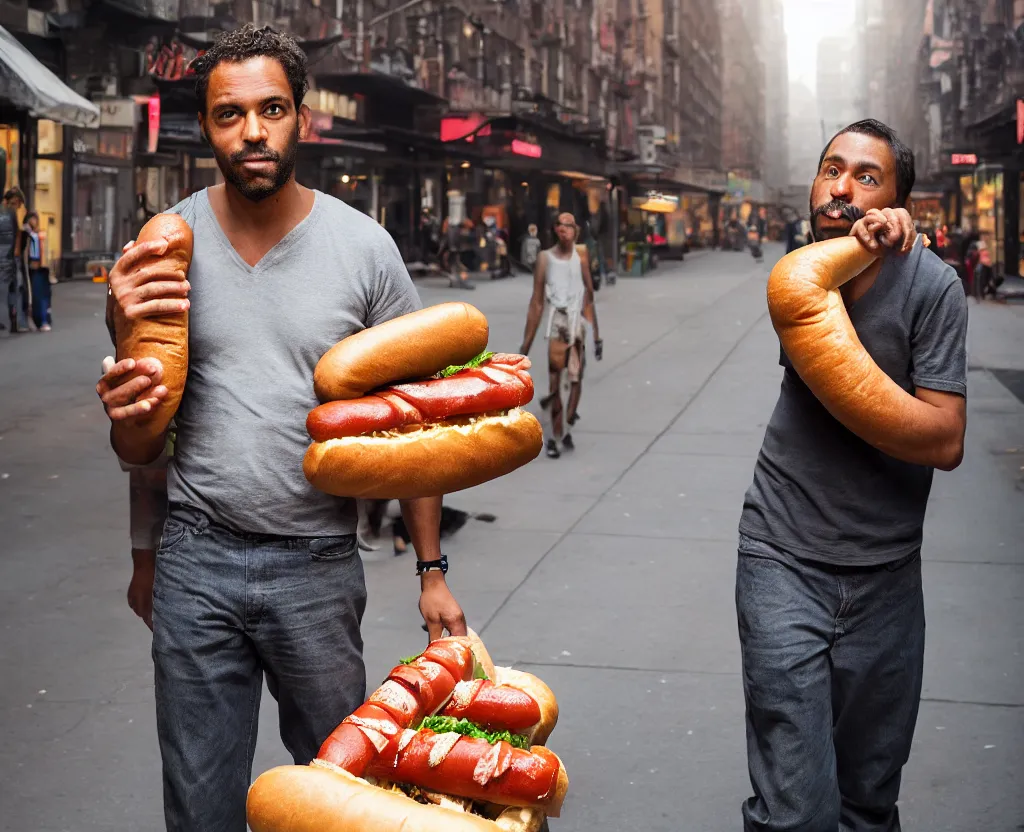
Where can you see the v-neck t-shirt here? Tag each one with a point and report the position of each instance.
(256, 334)
(821, 493)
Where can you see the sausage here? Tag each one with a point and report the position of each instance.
(494, 707)
(409, 693)
(472, 768)
(430, 681)
(491, 387)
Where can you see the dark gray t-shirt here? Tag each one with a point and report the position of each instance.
(255, 337)
(820, 492)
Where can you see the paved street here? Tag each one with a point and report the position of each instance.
(609, 573)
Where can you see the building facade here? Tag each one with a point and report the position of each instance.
(776, 113)
(452, 111)
(743, 104)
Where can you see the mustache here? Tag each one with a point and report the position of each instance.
(257, 153)
(848, 211)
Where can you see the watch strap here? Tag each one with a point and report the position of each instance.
(426, 565)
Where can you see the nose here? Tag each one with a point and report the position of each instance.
(252, 130)
(840, 188)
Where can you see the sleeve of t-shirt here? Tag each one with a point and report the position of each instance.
(939, 343)
(392, 292)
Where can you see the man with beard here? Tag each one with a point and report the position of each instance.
(828, 582)
(257, 572)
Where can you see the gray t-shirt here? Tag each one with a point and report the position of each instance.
(255, 337)
(820, 492)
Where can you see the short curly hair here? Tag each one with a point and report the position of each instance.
(253, 42)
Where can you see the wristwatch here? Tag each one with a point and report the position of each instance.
(426, 565)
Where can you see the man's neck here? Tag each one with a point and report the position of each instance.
(286, 207)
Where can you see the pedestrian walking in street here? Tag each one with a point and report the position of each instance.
(562, 279)
(257, 572)
(828, 583)
(38, 274)
(12, 275)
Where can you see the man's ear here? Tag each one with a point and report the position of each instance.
(305, 120)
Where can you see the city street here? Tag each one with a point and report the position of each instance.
(608, 572)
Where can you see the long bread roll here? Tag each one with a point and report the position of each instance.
(166, 337)
(817, 335)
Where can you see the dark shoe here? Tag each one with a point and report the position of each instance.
(568, 444)
(572, 420)
(552, 449)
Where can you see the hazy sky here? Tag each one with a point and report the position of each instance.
(807, 21)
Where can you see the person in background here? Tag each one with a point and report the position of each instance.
(562, 279)
(38, 274)
(530, 248)
(10, 260)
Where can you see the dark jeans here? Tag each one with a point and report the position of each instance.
(227, 608)
(832, 665)
(40, 282)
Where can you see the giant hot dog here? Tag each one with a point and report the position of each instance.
(164, 338)
(416, 408)
(817, 335)
(395, 766)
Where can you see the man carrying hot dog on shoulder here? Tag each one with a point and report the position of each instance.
(828, 586)
(562, 278)
(257, 572)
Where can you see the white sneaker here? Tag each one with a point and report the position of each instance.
(44, 328)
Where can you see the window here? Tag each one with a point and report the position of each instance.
(93, 215)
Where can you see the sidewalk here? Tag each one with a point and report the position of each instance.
(609, 572)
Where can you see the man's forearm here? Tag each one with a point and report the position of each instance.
(423, 520)
(532, 323)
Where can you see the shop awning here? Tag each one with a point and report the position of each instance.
(27, 84)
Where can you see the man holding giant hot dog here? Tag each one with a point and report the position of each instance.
(257, 571)
(828, 586)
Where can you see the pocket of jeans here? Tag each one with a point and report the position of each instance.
(174, 532)
(333, 548)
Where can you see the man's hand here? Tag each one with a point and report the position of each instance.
(598, 349)
(130, 399)
(140, 590)
(892, 228)
(147, 291)
(439, 608)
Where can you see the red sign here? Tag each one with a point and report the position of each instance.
(521, 148)
(453, 129)
(154, 123)
(1020, 121)
(964, 159)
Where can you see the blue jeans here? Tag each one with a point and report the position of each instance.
(40, 282)
(832, 666)
(229, 607)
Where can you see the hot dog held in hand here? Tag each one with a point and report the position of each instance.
(448, 743)
(150, 317)
(416, 407)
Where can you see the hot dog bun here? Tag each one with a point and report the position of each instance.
(409, 347)
(438, 459)
(810, 318)
(323, 798)
(164, 338)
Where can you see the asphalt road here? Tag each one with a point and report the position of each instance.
(608, 572)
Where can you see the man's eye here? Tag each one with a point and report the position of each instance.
(224, 115)
(274, 110)
(832, 171)
(867, 179)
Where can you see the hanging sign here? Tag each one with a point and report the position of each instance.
(154, 123)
